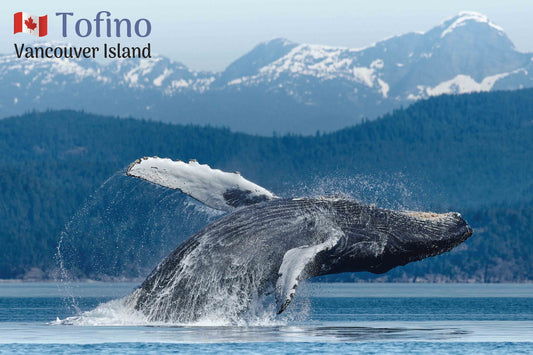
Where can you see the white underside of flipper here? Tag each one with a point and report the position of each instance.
(213, 187)
(293, 267)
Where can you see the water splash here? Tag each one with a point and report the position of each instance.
(120, 312)
(126, 227)
(393, 191)
(122, 231)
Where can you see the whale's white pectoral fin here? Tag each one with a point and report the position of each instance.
(293, 270)
(215, 188)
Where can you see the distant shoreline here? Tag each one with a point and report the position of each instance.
(140, 280)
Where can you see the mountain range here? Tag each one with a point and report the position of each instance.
(279, 86)
(63, 183)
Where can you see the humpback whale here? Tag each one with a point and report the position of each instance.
(266, 245)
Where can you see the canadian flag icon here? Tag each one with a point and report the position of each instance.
(34, 25)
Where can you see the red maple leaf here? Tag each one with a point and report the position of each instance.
(30, 24)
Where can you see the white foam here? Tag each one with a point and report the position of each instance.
(112, 313)
(120, 313)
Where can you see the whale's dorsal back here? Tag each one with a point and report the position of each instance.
(213, 187)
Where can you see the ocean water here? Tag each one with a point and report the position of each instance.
(325, 318)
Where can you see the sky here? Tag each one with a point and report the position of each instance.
(209, 35)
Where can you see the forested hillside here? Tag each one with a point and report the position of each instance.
(470, 153)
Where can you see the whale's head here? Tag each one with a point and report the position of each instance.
(377, 240)
(366, 238)
(419, 235)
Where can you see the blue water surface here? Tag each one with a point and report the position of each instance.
(325, 318)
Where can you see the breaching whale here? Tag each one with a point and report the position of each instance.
(265, 245)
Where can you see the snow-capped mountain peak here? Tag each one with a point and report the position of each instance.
(279, 85)
(405, 67)
(463, 18)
